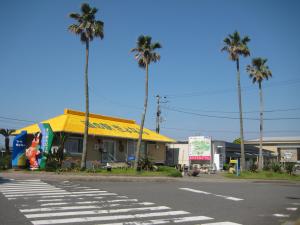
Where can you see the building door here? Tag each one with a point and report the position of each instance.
(109, 151)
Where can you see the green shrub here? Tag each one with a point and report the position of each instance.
(165, 169)
(276, 167)
(253, 168)
(5, 162)
(290, 167)
(226, 166)
(175, 173)
(267, 167)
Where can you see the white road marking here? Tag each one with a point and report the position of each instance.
(281, 215)
(208, 193)
(32, 191)
(105, 218)
(11, 198)
(292, 209)
(196, 191)
(28, 189)
(163, 221)
(58, 208)
(79, 195)
(55, 203)
(50, 200)
(94, 212)
(62, 192)
(221, 223)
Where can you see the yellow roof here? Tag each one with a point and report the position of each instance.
(73, 122)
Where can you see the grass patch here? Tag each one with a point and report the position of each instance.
(266, 175)
(162, 171)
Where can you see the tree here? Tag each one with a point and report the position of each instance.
(236, 46)
(237, 141)
(144, 54)
(88, 28)
(6, 133)
(258, 71)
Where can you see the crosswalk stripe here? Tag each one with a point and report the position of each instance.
(93, 212)
(28, 189)
(163, 221)
(54, 193)
(80, 195)
(58, 208)
(221, 223)
(33, 191)
(50, 200)
(106, 218)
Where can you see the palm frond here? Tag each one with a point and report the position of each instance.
(156, 45)
(75, 16)
(85, 8)
(74, 28)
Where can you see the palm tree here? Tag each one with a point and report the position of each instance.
(258, 71)
(144, 54)
(236, 47)
(6, 133)
(88, 28)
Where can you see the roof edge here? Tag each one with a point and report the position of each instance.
(98, 116)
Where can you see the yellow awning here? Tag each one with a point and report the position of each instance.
(73, 122)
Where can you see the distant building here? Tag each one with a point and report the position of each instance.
(286, 149)
(221, 151)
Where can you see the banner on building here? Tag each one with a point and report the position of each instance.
(46, 143)
(199, 148)
(19, 146)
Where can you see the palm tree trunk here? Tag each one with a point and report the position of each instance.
(138, 147)
(7, 145)
(86, 123)
(261, 162)
(241, 116)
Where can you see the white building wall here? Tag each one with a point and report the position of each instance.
(183, 156)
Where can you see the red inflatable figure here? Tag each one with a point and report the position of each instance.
(33, 151)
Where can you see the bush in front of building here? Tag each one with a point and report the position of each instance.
(267, 167)
(169, 171)
(276, 167)
(290, 167)
(5, 162)
(253, 168)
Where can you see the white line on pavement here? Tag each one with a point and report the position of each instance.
(221, 223)
(208, 193)
(292, 209)
(281, 215)
(58, 208)
(93, 212)
(62, 192)
(80, 195)
(50, 200)
(163, 221)
(33, 191)
(106, 218)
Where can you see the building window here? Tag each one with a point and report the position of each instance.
(109, 151)
(131, 147)
(74, 145)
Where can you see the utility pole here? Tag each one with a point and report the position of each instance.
(158, 111)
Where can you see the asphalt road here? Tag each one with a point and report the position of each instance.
(172, 202)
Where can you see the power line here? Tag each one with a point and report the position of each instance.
(230, 131)
(229, 117)
(15, 119)
(232, 112)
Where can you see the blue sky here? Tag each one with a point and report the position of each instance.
(42, 63)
